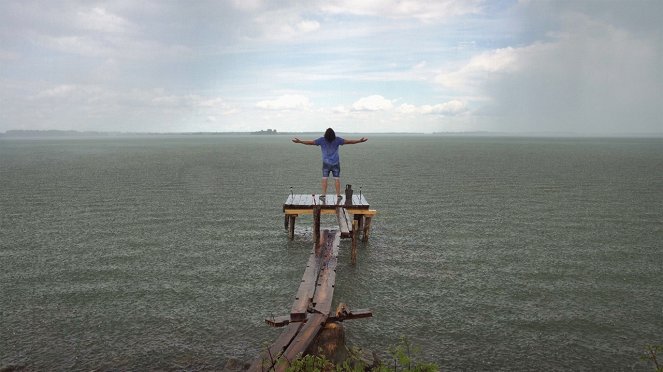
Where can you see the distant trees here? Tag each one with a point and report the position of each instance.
(268, 131)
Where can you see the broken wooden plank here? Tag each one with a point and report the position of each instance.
(284, 320)
(269, 357)
(301, 341)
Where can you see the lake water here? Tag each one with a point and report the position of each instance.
(167, 252)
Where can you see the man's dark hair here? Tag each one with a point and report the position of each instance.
(330, 136)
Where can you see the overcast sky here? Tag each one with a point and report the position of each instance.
(586, 67)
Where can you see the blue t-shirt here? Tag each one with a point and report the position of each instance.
(330, 149)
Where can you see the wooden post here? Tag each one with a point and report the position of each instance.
(367, 228)
(355, 235)
(360, 221)
(286, 219)
(291, 226)
(316, 226)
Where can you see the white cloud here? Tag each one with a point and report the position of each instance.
(99, 19)
(372, 103)
(286, 102)
(247, 5)
(453, 107)
(450, 108)
(484, 66)
(308, 26)
(407, 108)
(423, 10)
(58, 91)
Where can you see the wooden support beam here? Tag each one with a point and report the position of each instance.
(284, 320)
(316, 226)
(367, 229)
(355, 235)
(365, 212)
(291, 226)
(300, 212)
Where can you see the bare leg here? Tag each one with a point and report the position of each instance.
(338, 186)
(324, 186)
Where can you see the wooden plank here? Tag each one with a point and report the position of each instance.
(284, 320)
(304, 201)
(307, 211)
(279, 321)
(353, 314)
(324, 291)
(342, 217)
(301, 342)
(306, 288)
(363, 212)
(267, 358)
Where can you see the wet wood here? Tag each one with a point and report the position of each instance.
(302, 212)
(316, 226)
(270, 356)
(367, 229)
(344, 224)
(306, 289)
(324, 291)
(311, 308)
(330, 201)
(363, 212)
(355, 233)
(291, 226)
(284, 320)
(301, 341)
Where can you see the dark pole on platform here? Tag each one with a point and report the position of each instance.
(316, 226)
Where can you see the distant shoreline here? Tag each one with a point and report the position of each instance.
(56, 133)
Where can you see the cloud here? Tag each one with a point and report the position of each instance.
(422, 10)
(592, 77)
(372, 103)
(100, 19)
(450, 108)
(286, 102)
(486, 65)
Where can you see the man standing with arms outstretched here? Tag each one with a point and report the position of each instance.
(331, 162)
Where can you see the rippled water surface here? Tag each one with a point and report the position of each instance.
(488, 253)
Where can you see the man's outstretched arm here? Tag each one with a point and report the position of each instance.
(297, 140)
(352, 142)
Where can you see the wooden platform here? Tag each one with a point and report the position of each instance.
(304, 204)
(329, 201)
(311, 307)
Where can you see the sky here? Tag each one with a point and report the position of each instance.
(537, 67)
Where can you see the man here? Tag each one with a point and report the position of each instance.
(331, 162)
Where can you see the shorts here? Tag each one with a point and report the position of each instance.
(335, 170)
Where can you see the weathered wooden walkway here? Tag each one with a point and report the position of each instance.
(311, 308)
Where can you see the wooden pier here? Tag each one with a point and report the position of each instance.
(311, 308)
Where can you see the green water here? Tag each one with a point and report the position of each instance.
(168, 252)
